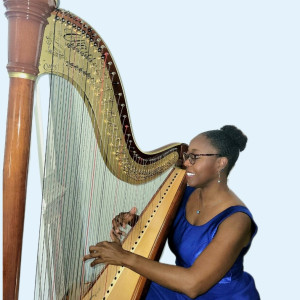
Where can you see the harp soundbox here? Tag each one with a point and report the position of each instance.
(93, 166)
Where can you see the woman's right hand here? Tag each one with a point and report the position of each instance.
(121, 221)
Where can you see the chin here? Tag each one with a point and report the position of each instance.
(195, 184)
(192, 184)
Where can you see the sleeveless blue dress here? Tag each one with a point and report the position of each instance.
(187, 241)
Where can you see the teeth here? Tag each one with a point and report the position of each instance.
(190, 174)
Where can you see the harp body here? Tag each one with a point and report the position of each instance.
(73, 51)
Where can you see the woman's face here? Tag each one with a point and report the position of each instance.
(205, 170)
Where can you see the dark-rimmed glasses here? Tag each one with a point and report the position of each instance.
(192, 157)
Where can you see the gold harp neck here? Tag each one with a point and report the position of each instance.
(83, 53)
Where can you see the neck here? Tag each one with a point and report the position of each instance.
(211, 195)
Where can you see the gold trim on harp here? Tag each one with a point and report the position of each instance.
(22, 75)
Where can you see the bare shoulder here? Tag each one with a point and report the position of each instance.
(239, 219)
(237, 227)
(231, 199)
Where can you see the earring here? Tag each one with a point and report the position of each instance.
(219, 179)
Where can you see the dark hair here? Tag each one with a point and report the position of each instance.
(229, 142)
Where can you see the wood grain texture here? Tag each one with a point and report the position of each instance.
(26, 20)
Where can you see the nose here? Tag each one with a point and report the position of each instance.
(187, 163)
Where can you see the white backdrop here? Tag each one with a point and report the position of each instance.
(190, 66)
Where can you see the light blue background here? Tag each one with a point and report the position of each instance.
(191, 66)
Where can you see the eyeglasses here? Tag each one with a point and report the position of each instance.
(192, 157)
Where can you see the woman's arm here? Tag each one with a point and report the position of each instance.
(211, 265)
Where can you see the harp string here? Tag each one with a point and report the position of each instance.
(69, 96)
(43, 254)
(93, 181)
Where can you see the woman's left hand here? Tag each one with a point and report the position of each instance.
(107, 252)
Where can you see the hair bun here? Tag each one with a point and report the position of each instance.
(236, 135)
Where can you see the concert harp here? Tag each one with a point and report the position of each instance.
(93, 166)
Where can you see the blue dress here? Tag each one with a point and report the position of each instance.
(188, 241)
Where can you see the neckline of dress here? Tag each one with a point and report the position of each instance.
(212, 217)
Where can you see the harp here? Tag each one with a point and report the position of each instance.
(93, 166)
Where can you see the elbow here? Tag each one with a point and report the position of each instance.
(196, 289)
(193, 294)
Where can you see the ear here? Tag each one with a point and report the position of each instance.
(223, 162)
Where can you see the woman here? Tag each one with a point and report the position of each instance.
(211, 233)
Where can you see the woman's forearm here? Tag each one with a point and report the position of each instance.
(185, 280)
(172, 277)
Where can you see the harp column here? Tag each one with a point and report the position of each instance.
(26, 22)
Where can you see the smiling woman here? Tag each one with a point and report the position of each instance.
(238, 62)
(212, 231)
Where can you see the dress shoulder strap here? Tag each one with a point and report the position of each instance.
(232, 210)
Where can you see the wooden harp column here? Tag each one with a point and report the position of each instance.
(27, 20)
